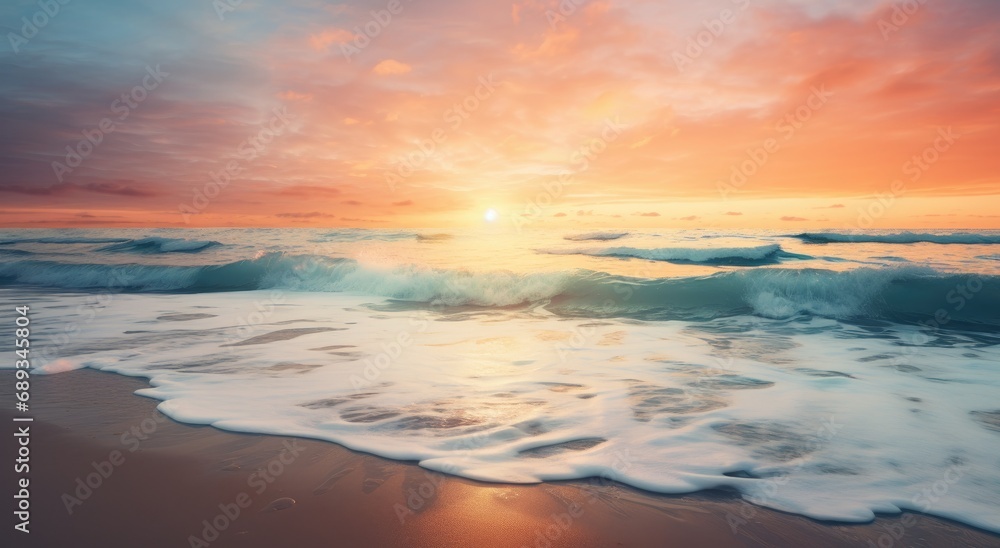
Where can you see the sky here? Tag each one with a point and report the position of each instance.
(429, 113)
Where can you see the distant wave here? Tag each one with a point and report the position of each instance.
(64, 241)
(364, 235)
(595, 236)
(734, 256)
(892, 258)
(898, 238)
(155, 244)
(903, 294)
(433, 237)
(293, 272)
(900, 294)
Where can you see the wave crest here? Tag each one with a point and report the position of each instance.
(155, 244)
(734, 256)
(602, 236)
(898, 238)
(905, 294)
(64, 241)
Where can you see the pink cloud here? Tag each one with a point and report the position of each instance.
(391, 66)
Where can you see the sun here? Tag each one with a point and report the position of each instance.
(491, 215)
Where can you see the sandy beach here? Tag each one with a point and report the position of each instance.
(154, 482)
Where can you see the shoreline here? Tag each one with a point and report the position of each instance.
(157, 482)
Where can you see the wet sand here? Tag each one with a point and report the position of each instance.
(165, 484)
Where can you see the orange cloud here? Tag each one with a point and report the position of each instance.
(590, 112)
(391, 66)
(294, 96)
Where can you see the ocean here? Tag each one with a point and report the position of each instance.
(833, 375)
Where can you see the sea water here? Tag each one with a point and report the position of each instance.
(834, 375)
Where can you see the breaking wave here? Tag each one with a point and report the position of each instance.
(898, 238)
(602, 236)
(433, 237)
(732, 256)
(64, 241)
(899, 294)
(153, 245)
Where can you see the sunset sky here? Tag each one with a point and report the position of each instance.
(388, 113)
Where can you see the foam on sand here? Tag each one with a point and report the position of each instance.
(785, 412)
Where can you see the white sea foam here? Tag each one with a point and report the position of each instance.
(421, 284)
(858, 424)
(673, 376)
